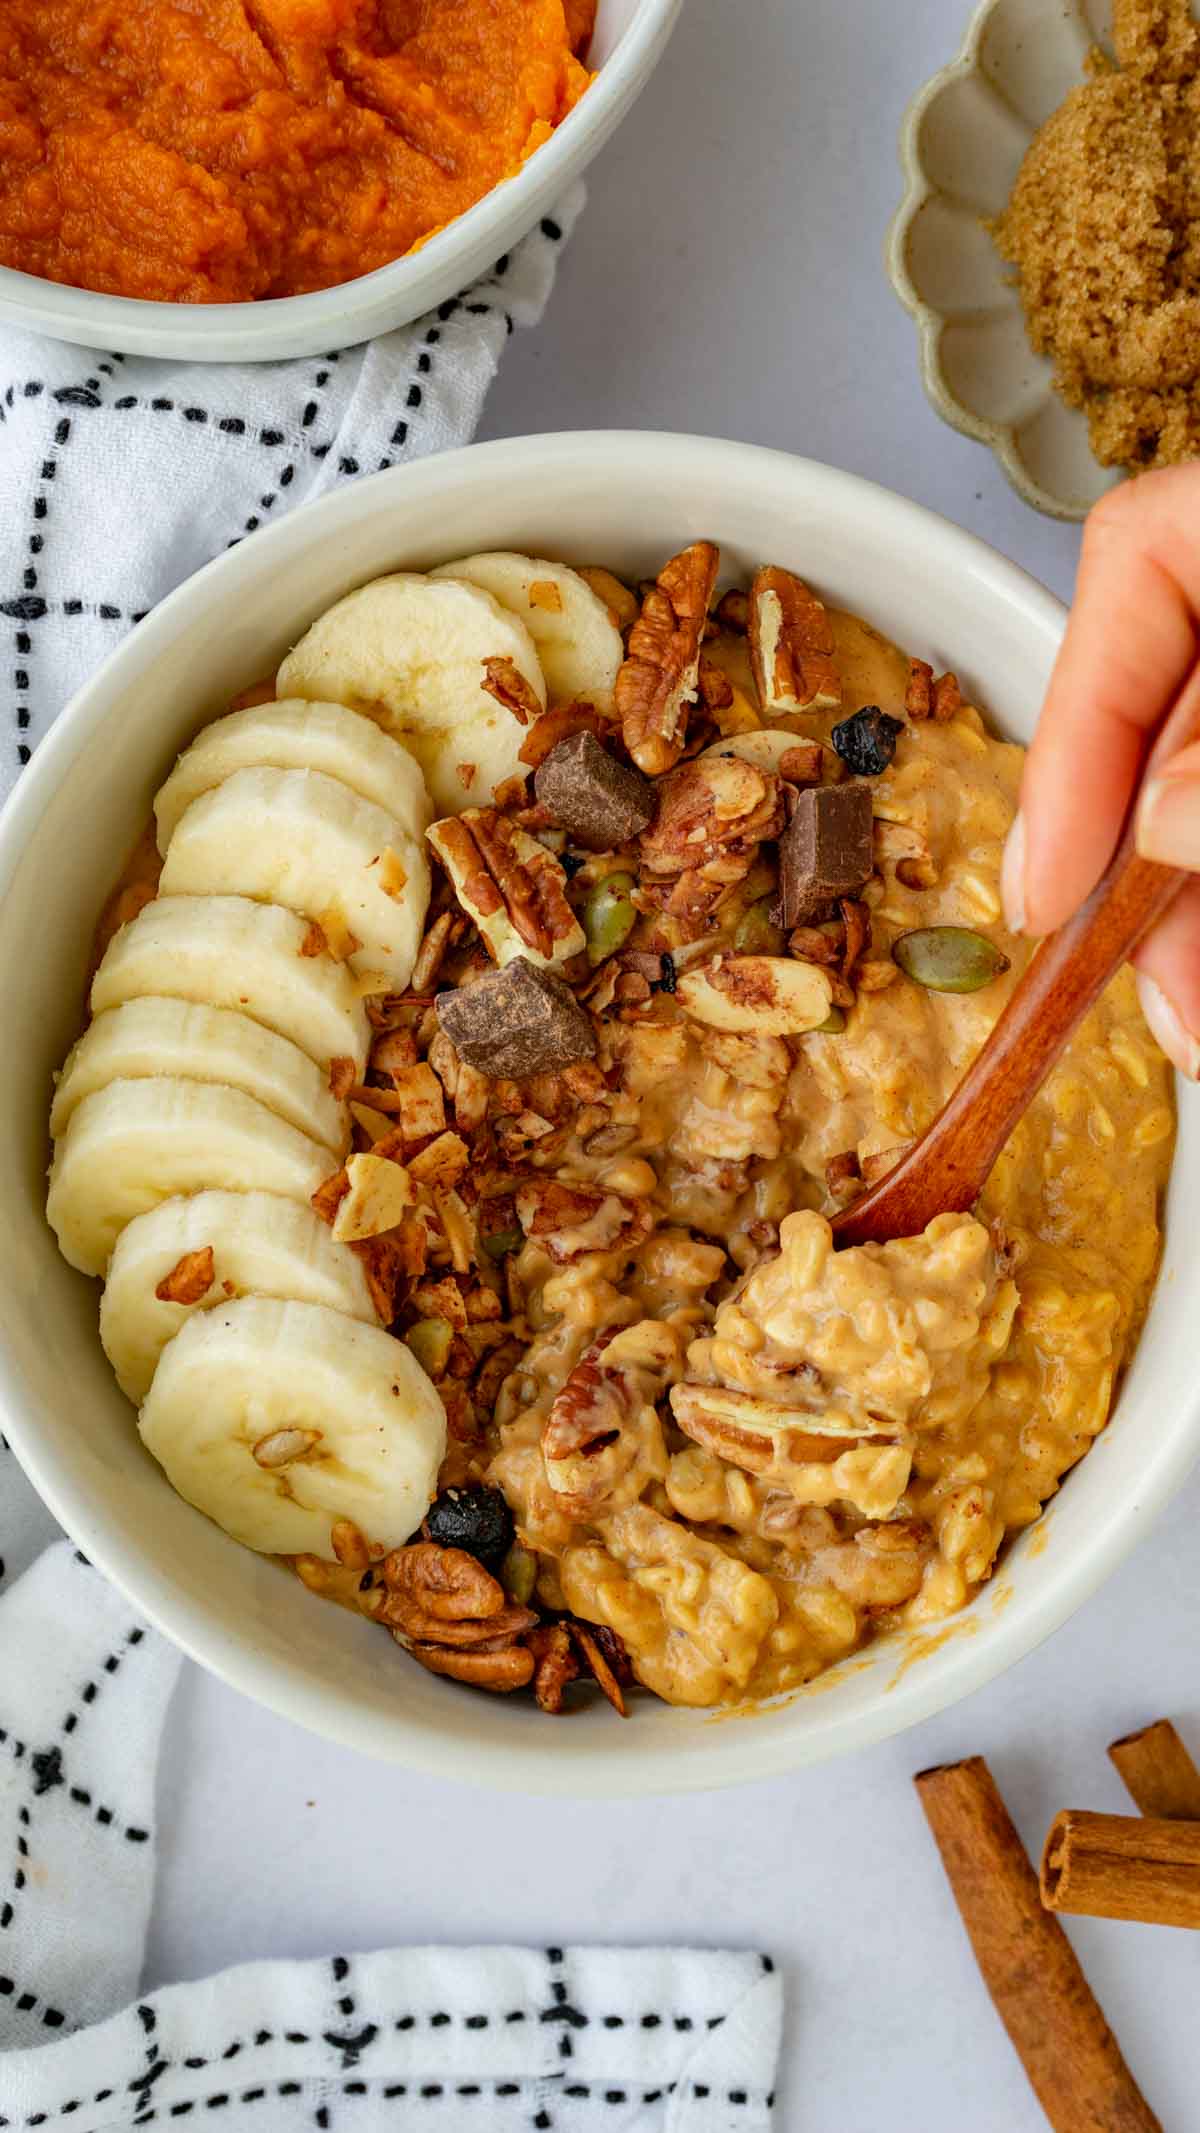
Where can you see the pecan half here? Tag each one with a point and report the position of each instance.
(555, 1665)
(502, 1671)
(510, 885)
(445, 1583)
(791, 645)
(189, 1279)
(661, 674)
(820, 1457)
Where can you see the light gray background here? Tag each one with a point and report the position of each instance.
(727, 278)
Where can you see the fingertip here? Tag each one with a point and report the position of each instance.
(1012, 876)
(1167, 1026)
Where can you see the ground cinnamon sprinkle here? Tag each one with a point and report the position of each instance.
(1103, 228)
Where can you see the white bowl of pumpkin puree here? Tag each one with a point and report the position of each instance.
(218, 182)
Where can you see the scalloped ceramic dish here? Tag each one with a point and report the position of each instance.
(962, 143)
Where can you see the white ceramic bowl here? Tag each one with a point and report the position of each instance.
(630, 37)
(963, 141)
(626, 500)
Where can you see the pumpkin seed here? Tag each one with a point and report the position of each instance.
(949, 958)
(833, 1025)
(609, 916)
(430, 1340)
(518, 1574)
(757, 933)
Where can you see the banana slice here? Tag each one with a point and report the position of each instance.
(261, 1245)
(577, 641)
(275, 1419)
(410, 652)
(225, 951)
(294, 735)
(298, 838)
(175, 1037)
(138, 1142)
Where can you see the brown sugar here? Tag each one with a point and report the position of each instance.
(1103, 228)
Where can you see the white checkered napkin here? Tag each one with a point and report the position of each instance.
(432, 2040)
(119, 476)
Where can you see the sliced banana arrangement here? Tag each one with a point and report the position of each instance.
(295, 735)
(416, 654)
(277, 1419)
(190, 1253)
(303, 840)
(578, 642)
(199, 1119)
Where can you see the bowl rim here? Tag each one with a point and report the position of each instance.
(919, 190)
(267, 329)
(741, 1753)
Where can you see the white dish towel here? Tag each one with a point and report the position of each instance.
(118, 477)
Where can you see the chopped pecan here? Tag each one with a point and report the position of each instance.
(602, 1441)
(791, 645)
(878, 1165)
(343, 1075)
(804, 764)
(947, 697)
(856, 922)
(817, 944)
(328, 1197)
(314, 942)
(569, 1220)
(556, 725)
(713, 814)
(916, 873)
(843, 1178)
(510, 885)
(431, 951)
(716, 689)
(918, 696)
(503, 679)
(392, 1260)
(660, 676)
(189, 1279)
(555, 1664)
(876, 976)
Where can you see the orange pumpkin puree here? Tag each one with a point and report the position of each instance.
(210, 151)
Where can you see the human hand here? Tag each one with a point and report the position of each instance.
(1129, 658)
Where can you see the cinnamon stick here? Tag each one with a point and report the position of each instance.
(1038, 1988)
(1159, 1774)
(1123, 1866)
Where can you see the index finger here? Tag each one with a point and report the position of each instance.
(1130, 645)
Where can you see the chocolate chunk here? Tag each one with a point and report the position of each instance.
(517, 1021)
(825, 851)
(599, 802)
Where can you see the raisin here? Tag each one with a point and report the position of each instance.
(476, 1519)
(867, 741)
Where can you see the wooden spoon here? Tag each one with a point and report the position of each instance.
(946, 1170)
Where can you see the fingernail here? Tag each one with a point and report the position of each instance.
(1168, 822)
(1167, 1026)
(1012, 875)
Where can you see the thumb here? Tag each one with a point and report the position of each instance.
(1168, 816)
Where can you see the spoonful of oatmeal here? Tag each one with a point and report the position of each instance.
(945, 1171)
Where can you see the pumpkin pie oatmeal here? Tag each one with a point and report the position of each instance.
(460, 1168)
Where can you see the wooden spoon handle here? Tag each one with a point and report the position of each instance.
(946, 1171)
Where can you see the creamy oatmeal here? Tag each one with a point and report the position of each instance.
(713, 929)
